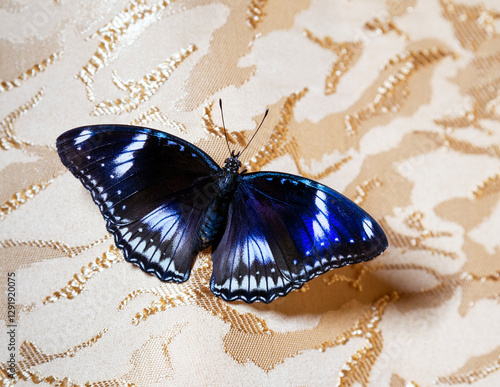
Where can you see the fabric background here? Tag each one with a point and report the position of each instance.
(396, 104)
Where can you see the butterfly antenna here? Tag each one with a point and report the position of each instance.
(263, 118)
(224, 125)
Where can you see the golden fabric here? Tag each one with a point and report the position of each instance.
(396, 104)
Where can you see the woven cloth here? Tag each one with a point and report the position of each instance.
(395, 104)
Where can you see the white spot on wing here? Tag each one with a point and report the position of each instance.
(140, 247)
(367, 226)
(141, 137)
(84, 136)
(153, 252)
(124, 157)
(321, 225)
(120, 170)
(259, 250)
(253, 283)
(244, 283)
(125, 160)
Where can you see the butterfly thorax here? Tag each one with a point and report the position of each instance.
(214, 220)
(228, 176)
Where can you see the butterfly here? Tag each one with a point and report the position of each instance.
(165, 200)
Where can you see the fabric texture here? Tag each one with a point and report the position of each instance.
(394, 103)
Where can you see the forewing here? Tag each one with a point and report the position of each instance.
(151, 188)
(284, 230)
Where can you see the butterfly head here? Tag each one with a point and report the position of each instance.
(232, 164)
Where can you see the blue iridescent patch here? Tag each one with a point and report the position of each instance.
(165, 200)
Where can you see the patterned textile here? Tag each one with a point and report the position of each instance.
(395, 104)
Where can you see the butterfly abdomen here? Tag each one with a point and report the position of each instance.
(214, 221)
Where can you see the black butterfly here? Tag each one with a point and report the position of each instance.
(165, 200)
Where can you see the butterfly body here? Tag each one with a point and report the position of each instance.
(164, 200)
(222, 191)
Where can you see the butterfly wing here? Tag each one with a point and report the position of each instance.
(151, 187)
(283, 230)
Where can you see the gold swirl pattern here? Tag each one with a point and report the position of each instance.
(358, 367)
(358, 276)
(69, 251)
(218, 131)
(471, 377)
(77, 285)
(8, 138)
(246, 322)
(110, 35)
(481, 278)
(384, 27)
(293, 150)
(195, 292)
(278, 138)
(325, 335)
(488, 187)
(140, 91)
(255, 12)
(467, 376)
(408, 242)
(33, 356)
(473, 23)
(393, 91)
(364, 188)
(30, 73)
(154, 114)
(21, 197)
(386, 23)
(476, 368)
(466, 119)
(348, 54)
(485, 100)
(460, 145)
